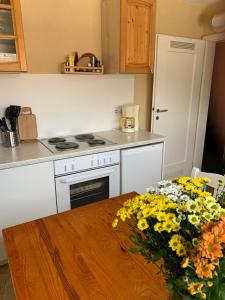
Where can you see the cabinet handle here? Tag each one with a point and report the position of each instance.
(162, 110)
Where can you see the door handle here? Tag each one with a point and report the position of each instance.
(77, 178)
(161, 110)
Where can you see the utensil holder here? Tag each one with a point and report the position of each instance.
(10, 139)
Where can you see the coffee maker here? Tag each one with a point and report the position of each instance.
(129, 120)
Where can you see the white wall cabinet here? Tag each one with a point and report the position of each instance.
(26, 193)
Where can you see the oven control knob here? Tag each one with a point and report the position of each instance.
(99, 162)
(65, 168)
(104, 160)
(73, 167)
(92, 163)
(110, 160)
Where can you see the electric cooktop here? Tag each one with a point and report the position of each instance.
(72, 142)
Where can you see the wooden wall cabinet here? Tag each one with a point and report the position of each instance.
(12, 49)
(128, 34)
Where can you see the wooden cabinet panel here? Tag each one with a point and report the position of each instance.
(12, 49)
(137, 36)
(128, 34)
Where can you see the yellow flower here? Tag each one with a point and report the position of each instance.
(139, 215)
(192, 206)
(122, 213)
(142, 224)
(195, 242)
(195, 288)
(168, 226)
(205, 179)
(183, 180)
(197, 182)
(146, 212)
(181, 251)
(185, 262)
(203, 295)
(158, 227)
(210, 283)
(205, 194)
(175, 241)
(161, 216)
(207, 216)
(170, 217)
(115, 223)
(178, 244)
(193, 219)
(189, 187)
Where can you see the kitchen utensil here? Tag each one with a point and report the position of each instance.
(27, 124)
(5, 124)
(2, 127)
(15, 111)
(8, 115)
(10, 138)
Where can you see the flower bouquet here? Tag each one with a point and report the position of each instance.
(180, 227)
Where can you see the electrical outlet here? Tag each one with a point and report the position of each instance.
(117, 111)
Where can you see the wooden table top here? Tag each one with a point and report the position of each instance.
(78, 255)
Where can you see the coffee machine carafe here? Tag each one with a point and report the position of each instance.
(129, 119)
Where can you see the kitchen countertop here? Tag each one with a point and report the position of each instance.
(78, 255)
(34, 152)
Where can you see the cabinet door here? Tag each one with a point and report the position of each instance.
(137, 36)
(27, 193)
(141, 167)
(12, 50)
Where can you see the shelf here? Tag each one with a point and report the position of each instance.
(77, 70)
(6, 6)
(7, 37)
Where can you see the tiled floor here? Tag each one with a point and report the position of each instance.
(6, 289)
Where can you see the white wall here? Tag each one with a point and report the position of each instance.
(66, 104)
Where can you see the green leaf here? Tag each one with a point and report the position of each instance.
(134, 250)
(187, 298)
(156, 257)
(170, 286)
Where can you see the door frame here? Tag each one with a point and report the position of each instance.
(211, 41)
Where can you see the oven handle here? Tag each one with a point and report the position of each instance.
(85, 177)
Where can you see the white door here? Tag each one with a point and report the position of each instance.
(176, 96)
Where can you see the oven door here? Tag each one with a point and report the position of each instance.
(87, 187)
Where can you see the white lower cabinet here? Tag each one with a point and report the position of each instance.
(141, 167)
(26, 193)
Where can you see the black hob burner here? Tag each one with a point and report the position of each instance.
(66, 145)
(84, 137)
(96, 142)
(55, 140)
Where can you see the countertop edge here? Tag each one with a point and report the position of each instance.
(53, 157)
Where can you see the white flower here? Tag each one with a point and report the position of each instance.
(184, 198)
(150, 190)
(173, 197)
(164, 183)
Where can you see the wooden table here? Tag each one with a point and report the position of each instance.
(78, 255)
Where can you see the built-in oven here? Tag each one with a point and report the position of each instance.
(87, 179)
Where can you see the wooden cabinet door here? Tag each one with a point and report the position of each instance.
(12, 49)
(137, 36)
